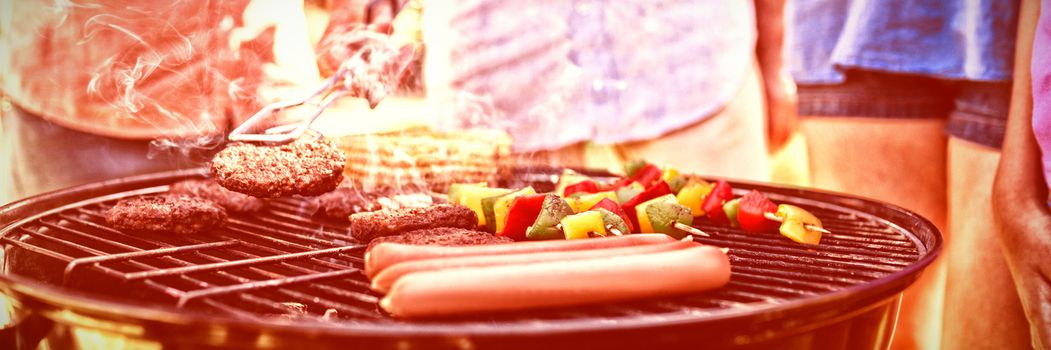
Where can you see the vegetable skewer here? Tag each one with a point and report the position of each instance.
(774, 217)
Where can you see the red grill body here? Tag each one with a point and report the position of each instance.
(284, 277)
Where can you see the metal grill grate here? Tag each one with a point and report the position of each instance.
(285, 262)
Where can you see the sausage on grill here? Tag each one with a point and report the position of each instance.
(557, 283)
(384, 280)
(368, 226)
(383, 256)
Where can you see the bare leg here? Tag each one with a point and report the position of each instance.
(982, 310)
(790, 165)
(897, 161)
(731, 143)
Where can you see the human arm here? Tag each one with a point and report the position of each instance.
(1020, 193)
(347, 18)
(779, 89)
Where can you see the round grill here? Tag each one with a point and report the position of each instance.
(286, 275)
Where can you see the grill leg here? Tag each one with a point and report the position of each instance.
(25, 333)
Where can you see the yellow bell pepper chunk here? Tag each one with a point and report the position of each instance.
(471, 197)
(584, 202)
(578, 226)
(794, 224)
(692, 196)
(503, 206)
(669, 173)
(645, 226)
(456, 190)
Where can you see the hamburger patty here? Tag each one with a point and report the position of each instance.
(445, 236)
(371, 225)
(299, 168)
(346, 200)
(350, 198)
(210, 190)
(165, 213)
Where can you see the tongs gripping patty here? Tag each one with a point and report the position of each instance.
(329, 92)
(370, 73)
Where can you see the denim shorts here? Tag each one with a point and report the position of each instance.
(974, 111)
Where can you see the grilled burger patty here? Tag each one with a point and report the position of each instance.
(371, 225)
(348, 199)
(444, 236)
(165, 213)
(210, 190)
(299, 168)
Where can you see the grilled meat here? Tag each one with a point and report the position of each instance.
(210, 190)
(299, 168)
(346, 200)
(370, 225)
(444, 236)
(165, 213)
(350, 199)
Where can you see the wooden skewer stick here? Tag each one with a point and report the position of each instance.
(438, 195)
(689, 238)
(690, 229)
(770, 216)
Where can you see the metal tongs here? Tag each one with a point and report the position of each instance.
(333, 89)
(370, 73)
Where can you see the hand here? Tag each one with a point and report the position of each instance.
(1026, 240)
(782, 116)
(376, 70)
(347, 20)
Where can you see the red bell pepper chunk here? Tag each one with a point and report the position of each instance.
(648, 175)
(713, 204)
(521, 215)
(586, 186)
(615, 208)
(658, 189)
(624, 181)
(645, 176)
(750, 214)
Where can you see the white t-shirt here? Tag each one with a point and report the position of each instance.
(557, 72)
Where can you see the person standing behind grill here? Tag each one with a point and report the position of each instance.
(1020, 194)
(655, 79)
(905, 101)
(88, 85)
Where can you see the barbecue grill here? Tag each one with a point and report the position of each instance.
(283, 278)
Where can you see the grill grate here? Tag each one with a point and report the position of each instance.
(285, 262)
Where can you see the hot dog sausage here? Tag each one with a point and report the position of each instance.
(557, 283)
(385, 279)
(384, 255)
